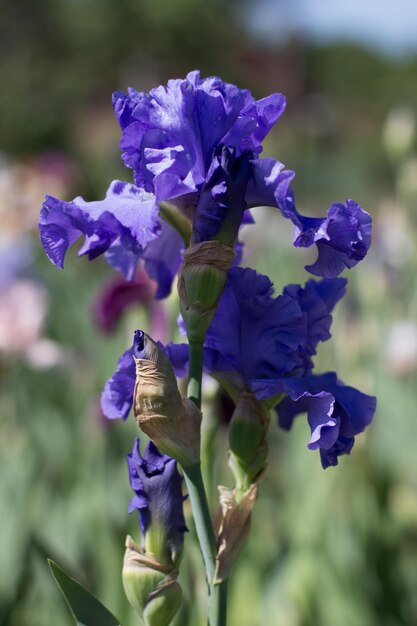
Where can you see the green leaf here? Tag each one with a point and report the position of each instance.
(85, 608)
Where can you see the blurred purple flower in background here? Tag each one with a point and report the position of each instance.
(118, 295)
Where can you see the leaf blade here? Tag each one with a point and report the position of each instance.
(85, 608)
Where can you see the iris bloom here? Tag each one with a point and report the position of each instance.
(194, 144)
(265, 344)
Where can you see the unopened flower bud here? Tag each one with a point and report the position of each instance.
(201, 280)
(247, 441)
(151, 588)
(172, 422)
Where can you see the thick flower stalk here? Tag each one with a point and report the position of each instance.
(150, 571)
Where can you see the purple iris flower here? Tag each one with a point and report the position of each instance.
(195, 144)
(158, 497)
(265, 344)
(174, 131)
(191, 143)
(253, 336)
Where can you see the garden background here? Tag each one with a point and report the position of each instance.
(327, 547)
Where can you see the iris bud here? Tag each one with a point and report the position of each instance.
(201, 280)
(151, 588)
(172, 422)
(247, 441)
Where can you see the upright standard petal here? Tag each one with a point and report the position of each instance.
(180, 124)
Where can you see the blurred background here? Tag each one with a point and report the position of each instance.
(327, 547)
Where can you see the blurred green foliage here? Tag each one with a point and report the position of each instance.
(63, 55)
(335, 547)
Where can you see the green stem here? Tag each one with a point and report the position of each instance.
(172, 215)
(202, 520)
(217, 601)
(217, 607)
(195, 372)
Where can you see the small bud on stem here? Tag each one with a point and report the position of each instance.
(201, 280)
(247, 441)
(150, 586)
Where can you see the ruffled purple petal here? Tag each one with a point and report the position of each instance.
(269, 110)
(123, 107)
(170, 187)
(316, 300)
(253, 332)
(175, 128)
(342, 238)
(324, 424)
(336, 412)
(121, 226)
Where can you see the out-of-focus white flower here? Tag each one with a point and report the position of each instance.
(407, 182)
(399, 132)
(23, 308)
(393, 232)
(45, 353)
(401, 347)
(22, 188)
